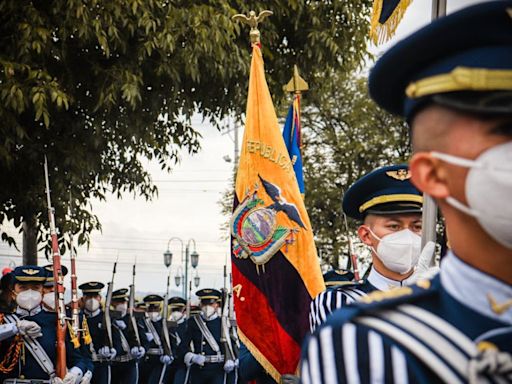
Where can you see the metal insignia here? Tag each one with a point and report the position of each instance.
(399, 174)
(30, 271)
(93, 284)
(255, 228)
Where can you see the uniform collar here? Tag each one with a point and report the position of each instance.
(477, 290)
(383, 283)
(213, 317)
(92, 314)
(23, 312)
(182, 320)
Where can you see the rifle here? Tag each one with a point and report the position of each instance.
(107, 321)
(353, 256)
(131, 306)
(232, 319)
(58, 284)
(165, 315)
(225, 337)
(75, 320)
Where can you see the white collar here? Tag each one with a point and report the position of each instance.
(475, 289)
(384, 283)
(92, 314)
(158, 318)
(23, 312)
(212, 317)
(182, 320)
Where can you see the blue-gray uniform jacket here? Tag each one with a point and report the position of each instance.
(123, 339)
(328, 301)
(193, 334)
(96, 329)
(250, 369)
(177, 334)
(451, 329)
(30, 369)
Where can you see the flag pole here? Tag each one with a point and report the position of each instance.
(429, 216)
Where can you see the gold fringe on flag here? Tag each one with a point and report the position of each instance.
(380, 33)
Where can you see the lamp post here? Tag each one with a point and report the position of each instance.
(185, 257)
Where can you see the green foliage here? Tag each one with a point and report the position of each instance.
(345, 136)
(100, 86)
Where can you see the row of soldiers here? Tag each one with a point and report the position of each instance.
(197, 352)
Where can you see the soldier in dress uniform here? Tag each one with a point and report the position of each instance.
(178, 327)
(454, 87)
(157, 361)
(389, 209)
(38, 334)
(206, 360)
(100, 353)
(125, 369)
(49, 306)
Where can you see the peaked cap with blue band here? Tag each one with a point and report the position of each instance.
(462, 61)
(91, 288)
(29, 274)
(153, 299)
(208, 295)
(120, 295)
(177, 302)
(384, 191)
(49, 274)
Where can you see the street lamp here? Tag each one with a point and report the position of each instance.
(194, 261)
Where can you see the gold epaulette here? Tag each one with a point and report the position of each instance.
(86, 334)
(73, 336)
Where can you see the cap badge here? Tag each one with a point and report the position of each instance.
(399, 174)
(30, 271)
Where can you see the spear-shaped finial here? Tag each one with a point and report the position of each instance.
(297, 84)
(252, 20)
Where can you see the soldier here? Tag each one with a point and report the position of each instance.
(49, 306)
(125, 363)
(157, 362)
(178, 327)
(389, 209)
(38, 333)
(100, 353)
(454, 87)
(206, 362)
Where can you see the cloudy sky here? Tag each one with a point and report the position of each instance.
(187, 207)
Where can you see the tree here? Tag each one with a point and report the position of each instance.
(98, 86)
(345, 136)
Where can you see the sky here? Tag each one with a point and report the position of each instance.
(186, 207)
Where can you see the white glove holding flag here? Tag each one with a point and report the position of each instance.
(423, 269)
(29, 328)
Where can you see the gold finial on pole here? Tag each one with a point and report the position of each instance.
(252, 20)
(297, 84)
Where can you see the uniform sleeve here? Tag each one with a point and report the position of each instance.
(351, 353)
(7, 330)
(75, 357)
(184, 346)
(324, 304)
(249, 368)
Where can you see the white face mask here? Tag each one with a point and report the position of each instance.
(399, 251)
(488, 190)
(208, 311)
(154, 316)
(92, 304)
(29, 299)
(49, 300)
(122, 307)
(176, 315)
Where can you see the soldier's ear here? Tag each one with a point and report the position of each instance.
(364, 234)
(429, 175)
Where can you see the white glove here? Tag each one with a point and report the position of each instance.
(107, 353)
(73, 375)
(229, 365)
(149, 336)
(120, 324)
(137, 352)
(237, 363)
(194, 358)
(56, 380)
(87, 378)
(29, 328)
(166, 359)
(423, 269)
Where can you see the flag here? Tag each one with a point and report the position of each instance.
(275, 268)
(291, 136)
(386, 16)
